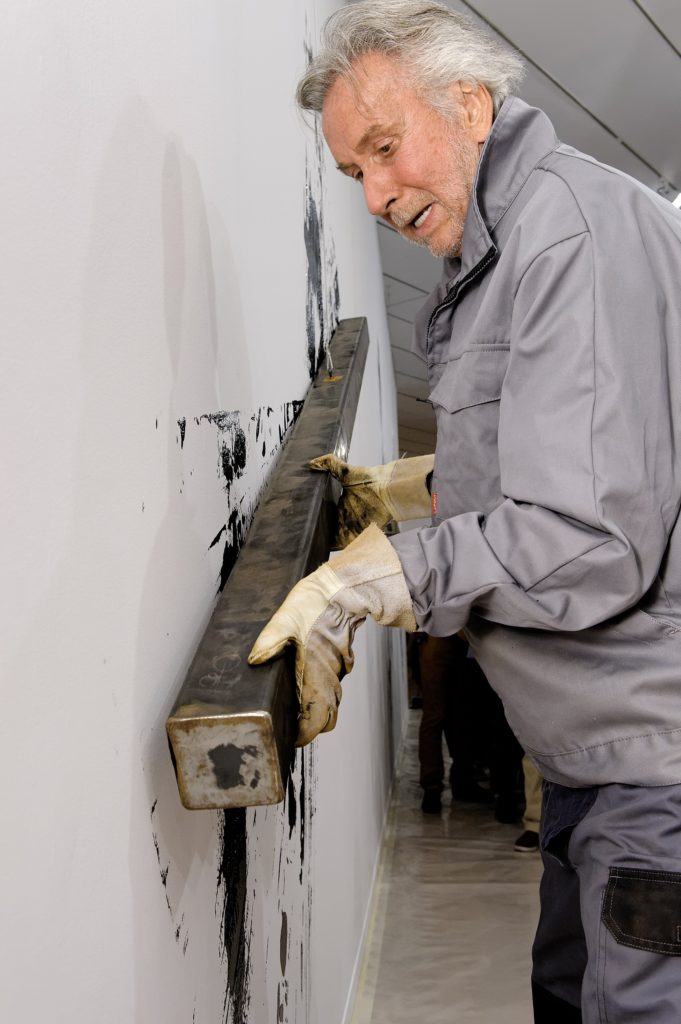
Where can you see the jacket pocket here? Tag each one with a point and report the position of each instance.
(642, 909)
(472, 378)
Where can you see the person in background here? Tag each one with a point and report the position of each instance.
(449, 710)
(528, 841)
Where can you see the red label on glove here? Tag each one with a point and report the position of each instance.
(433, 503)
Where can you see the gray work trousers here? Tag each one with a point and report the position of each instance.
(609, 936)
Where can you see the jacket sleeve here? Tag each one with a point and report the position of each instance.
(588, 439)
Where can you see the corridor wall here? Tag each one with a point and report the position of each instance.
(177, 249)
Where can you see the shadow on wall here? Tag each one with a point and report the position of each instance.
(157, 335)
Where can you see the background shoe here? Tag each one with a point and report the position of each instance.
(431, 803)
(528, 842)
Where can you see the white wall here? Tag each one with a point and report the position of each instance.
(154, 186)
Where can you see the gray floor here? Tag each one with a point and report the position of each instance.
(454, 915)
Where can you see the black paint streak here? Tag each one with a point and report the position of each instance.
(227, 762)
(303, 812)
(216, 538)
(235, 530)
(163, 871)
(292, 806)
(182, 424)
(283, 942)
(231, 896)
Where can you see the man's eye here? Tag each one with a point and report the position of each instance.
(384, 150)
(357, 176)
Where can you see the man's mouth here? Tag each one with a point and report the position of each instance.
(420, 219)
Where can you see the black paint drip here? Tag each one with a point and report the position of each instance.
(231, 897)
(182, 424)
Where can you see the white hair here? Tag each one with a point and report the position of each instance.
(435, 45)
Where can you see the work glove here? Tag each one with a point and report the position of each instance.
(320, 616)
(377, 494)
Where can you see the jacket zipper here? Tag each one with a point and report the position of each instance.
(452, 296)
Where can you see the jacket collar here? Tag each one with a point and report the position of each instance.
(520, 137)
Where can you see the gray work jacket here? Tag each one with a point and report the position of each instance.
(554, 360)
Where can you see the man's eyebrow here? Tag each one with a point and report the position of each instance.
(375, 131)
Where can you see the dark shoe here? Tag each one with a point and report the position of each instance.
(528, 842)
(471, 793)
(431, 803)
(506, 810)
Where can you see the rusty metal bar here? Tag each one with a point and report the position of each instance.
(233, 727)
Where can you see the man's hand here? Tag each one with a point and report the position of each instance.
(320, 616)
(378, 494)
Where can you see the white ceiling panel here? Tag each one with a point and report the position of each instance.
(412, 387)
(413, 413)
(592, 49)
(399, 294)
(667, 16)
(400, 333)
(408, 364)
(407, 262)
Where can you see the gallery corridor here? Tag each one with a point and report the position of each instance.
(454, 914)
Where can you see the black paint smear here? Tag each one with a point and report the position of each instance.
(235, 531)
(222, 420)
(321, 306)
(292, 806)
(182, 424)
(227, 764)
(231, 894)
(263, 449)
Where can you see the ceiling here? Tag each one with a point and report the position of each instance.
(608, 74)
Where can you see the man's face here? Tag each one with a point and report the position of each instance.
(416, 167)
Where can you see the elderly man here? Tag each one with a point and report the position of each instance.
(553, 346)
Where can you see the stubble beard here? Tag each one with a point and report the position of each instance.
(458, 190)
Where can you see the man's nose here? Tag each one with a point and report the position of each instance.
(379, 191)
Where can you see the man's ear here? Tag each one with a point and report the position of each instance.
(477, 110)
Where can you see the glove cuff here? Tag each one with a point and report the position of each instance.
(371, 574)
(405, 493)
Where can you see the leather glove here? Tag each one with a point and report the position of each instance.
(320, 616)
(377, 494)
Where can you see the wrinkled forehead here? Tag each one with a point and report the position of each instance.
(378, 93)
(372, 81)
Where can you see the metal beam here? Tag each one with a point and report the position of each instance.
(233, 727)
